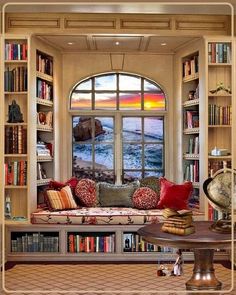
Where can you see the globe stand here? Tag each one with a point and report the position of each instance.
(222, 226)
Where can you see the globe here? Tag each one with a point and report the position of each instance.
(218, 190)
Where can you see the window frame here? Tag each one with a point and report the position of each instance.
(118, 115)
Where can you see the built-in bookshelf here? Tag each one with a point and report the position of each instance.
(132, 242)
(15, 113)
(219, 99)
(45, 126)
(34, 242)
(90, 242)
(191, 125)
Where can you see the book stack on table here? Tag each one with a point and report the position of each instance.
(178, 222)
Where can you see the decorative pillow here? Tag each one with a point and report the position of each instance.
(145, 198)
(111, 195)
(61, 200)
(152, 182)
(86, 192)
(72, 182)
(174, 196)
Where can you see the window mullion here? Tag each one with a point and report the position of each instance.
(118, 147)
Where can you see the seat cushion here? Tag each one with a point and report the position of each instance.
(103, 216)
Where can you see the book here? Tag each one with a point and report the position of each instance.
(178, 231)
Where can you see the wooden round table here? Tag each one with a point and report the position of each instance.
(203, 242)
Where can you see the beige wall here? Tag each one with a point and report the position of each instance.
(79, 66)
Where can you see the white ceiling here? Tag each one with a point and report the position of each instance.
(108, 43)
(94, 6)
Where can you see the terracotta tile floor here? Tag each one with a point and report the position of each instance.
(135, 279)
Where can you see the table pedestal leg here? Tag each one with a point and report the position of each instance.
(203, 277)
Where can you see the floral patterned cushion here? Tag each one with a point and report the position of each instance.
(86, 192)
(145, 198)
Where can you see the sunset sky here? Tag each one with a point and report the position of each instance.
(129, 95)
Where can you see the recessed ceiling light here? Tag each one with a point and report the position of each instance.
(70, 43)
(117, 43)
(163, 44)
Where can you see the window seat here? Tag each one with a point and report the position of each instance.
(100, 216)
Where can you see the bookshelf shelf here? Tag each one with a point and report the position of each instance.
(220, 95)
(16, 124)
(15, 92)
(44, 76)
(44, 159)
(44, 128)
(16, 186)
(16, 155)
(41, 182)
(192, 102)
(191, 131)
(196, 184)
(44, 102)
(16, 61)
(191, 156)
(219, 126)
(219, 64)
(190, 78)
(220, 157)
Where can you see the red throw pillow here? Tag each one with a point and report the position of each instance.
(174, 196)
(72, 182)
(145, 198)
(86, 192)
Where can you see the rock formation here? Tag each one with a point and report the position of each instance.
(83, 130)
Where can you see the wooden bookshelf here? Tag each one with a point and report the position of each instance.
(16, 156)
(219, 80)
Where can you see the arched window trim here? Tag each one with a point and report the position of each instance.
(76, 110)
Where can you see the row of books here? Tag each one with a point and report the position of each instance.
(15, 140)
(193, 145)
(16, 173)
(41, 172)
(194, 199)
(15, 51)
(15, 80)
(90, 244)
(190, 66)
(219, 115)
(214, 166)
(44, 90)
(35, 242)
(192, 171)
(191, 119)
(44, 64)
(132, 242)
(214, 214)
(219, 53)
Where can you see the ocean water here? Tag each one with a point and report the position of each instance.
(133, 149)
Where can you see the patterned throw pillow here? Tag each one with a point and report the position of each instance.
(86, 192)
(61, 200)
(145, 198)
(152, 182)
(174, 196)
(116, 195)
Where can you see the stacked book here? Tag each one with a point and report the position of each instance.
(178, 222)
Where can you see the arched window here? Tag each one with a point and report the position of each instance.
(118, 127)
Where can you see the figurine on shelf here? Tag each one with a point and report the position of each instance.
(191, 94)
(220, 86)
(14, 113)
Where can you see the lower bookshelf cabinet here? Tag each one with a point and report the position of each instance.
(85, 243)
